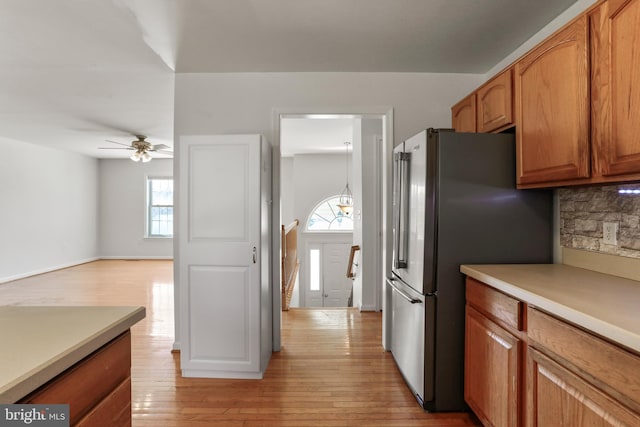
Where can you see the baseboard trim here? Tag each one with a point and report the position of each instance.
(145, 257)
(46, 270)
(75, 263)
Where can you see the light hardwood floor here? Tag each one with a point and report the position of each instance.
(332, 370)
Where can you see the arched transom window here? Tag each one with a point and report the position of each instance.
(327, 216)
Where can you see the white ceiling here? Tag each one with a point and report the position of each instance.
(74, 73)
(315, 135)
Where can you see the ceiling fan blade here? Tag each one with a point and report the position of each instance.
(119, 143)
(115, 148)
(167, 152)
(156, 147)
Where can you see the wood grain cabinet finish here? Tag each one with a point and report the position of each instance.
(493, 355)
(552, 108)
(96, 388)
(526, 367)
(495, 103)
(558, 397)
(463, 114)
(608, 367)
(492, 364)
(615, 79)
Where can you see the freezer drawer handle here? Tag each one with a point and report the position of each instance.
(402, 293)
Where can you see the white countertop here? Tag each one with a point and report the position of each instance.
(38, 343)
(607, 305)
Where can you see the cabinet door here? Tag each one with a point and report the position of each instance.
(495, 103)
(552, 109)
(219, 250)
(491, 380)
(557, 397)
(463, 115)
(615, 46)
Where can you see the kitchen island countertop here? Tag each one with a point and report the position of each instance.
(40, 342)
(607, 305)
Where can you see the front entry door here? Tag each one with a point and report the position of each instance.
(337, 287)
(328, 285)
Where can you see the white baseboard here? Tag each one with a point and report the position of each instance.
(161, 257)
(73, 264)
(369, 308)
(46, 270)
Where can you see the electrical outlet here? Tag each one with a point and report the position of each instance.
(610, 233)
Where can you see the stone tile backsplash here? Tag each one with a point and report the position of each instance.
(584, 210)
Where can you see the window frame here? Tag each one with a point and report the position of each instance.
(329, 231)
(149, 207)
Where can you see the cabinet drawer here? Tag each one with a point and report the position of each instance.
(88, 382)
(495, 305)
(606, 365)
(114, 410)
(556, 396)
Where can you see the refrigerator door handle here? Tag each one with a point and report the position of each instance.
(402, 293)
(402, 209)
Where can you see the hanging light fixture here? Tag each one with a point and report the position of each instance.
(345, 202)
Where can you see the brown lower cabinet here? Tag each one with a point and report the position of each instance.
(97, 389)
(492, 359)
(525, 367)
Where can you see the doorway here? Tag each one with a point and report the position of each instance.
(369, 172)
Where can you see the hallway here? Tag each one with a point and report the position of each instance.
(331, 371)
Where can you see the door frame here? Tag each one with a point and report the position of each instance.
(386, 114)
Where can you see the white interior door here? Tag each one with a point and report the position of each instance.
(219, 236)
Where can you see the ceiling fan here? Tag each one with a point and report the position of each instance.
(141, 148)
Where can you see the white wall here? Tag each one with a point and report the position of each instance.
(316, 177)
(122, 209)
(47, 209)
(287, 191)
(367, 215)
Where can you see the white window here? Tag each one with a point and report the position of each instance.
(314, 270)
(159, 207)
(327, 216)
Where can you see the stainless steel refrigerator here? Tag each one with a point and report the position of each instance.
(455, 202)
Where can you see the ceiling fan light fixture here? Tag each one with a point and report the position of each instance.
(145, 157)
(136, 156)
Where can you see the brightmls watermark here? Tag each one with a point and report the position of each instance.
(12, 415)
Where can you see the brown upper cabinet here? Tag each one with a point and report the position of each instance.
(615, 48)
(495, 103)
(576, 101)
(552, 108)
(463, 114)
(488, 109)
